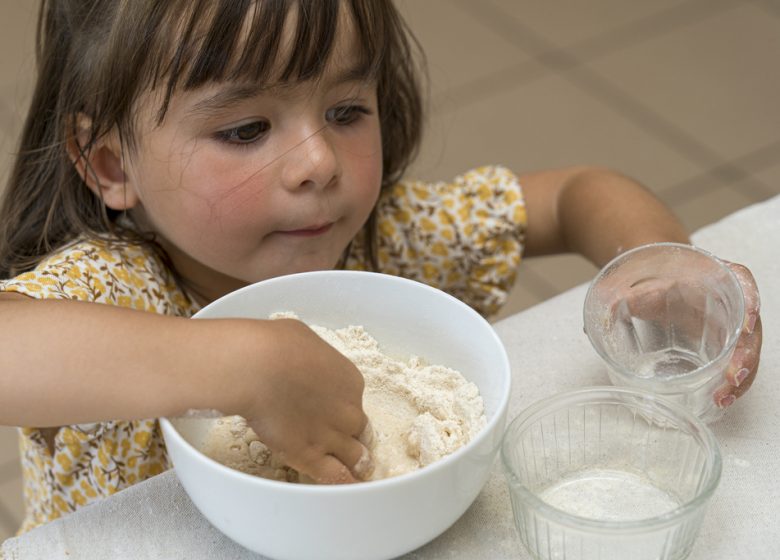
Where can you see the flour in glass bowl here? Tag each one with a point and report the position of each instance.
(609, 495)
(419, 412)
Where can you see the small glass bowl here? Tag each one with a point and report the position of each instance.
(666, 318)
(609, 473)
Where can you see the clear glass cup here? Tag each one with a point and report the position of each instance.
(666, 318)
(609, 473)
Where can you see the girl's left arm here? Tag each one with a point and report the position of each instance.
(595, 212)
(599, 214)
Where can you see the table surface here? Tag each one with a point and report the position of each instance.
(549, 353)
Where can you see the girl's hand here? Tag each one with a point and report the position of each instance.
(742, 369)
(650, 301)
(306, 404)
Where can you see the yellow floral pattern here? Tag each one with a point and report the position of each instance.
(465, 237)
(91, 461)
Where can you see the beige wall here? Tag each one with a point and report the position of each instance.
(17, 60)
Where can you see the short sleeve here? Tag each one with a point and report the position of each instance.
(84, 463)
(118, 274)
(465, 237)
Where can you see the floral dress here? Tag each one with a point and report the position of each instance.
(465, 237)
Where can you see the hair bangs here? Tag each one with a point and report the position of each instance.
(264, 41)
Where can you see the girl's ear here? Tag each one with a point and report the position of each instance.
(101, 165)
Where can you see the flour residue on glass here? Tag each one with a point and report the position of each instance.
(609, 495)
(668, 363)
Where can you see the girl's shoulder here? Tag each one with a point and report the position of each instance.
(105, 271)
(465, 236)
(491, 185)
(464, 212)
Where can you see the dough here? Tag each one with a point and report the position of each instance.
(419, 413)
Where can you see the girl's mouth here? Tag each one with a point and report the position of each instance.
(312, 231)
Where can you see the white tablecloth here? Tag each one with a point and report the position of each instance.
(549, 353)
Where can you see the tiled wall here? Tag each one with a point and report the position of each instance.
(680, 94)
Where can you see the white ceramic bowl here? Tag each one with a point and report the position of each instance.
(377, 519)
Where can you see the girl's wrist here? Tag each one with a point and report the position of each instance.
(209, 359)
(235, 380)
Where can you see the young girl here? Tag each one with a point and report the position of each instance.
(176, 151)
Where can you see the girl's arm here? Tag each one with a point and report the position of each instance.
(599, 214)
(66, 362)
(595, 212)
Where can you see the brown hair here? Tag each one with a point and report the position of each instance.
(97, 56)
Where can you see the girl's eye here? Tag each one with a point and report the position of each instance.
(246, 133)
(346, 114)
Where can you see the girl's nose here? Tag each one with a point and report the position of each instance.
(312, 163)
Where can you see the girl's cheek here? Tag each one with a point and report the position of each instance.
(242, 203)
(226, 182)
(365, 150)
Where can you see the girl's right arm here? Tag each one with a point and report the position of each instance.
(67, 362)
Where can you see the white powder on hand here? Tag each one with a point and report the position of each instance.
(231, 442)
(419, 413)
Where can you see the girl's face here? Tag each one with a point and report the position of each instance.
(244, 183)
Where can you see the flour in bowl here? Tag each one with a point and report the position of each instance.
(419, 413)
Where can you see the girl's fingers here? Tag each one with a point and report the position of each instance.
(352, 453)
(364, 467)
(743, 367)
(744, 363)
(366, 437)
(318, 467)
(329, 470)
(750, 292)
(339, 459)
(645, 300)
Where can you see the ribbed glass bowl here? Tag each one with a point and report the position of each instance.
(609, 473)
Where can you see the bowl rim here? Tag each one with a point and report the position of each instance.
(499, 416)
(646, 525)
(654, 382)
